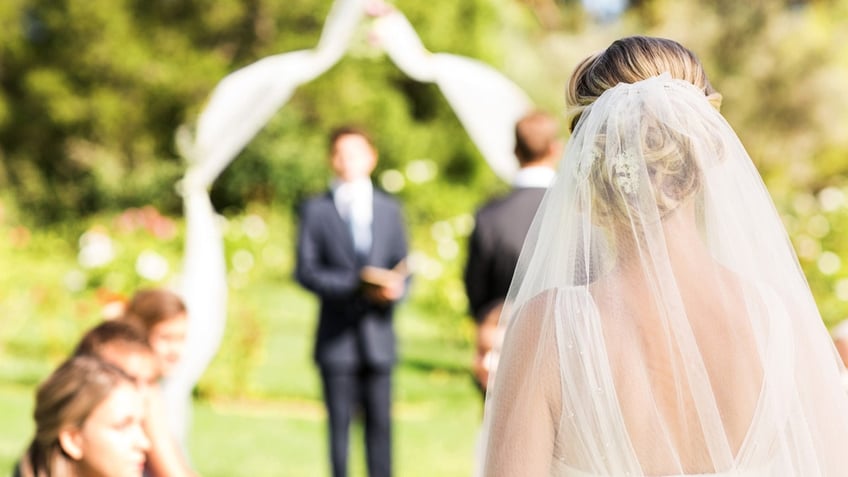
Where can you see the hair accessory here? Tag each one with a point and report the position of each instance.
(584, 166)
(625, 169)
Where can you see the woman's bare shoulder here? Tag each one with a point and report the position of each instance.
(537, 313)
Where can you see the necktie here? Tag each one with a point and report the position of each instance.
(355, 209)
(360, 227)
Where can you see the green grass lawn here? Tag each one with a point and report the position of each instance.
(259, 411)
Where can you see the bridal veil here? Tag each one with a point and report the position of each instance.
(658, 323)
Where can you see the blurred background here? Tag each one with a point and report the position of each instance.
(92, 93)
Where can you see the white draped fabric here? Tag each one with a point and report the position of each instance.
(487, 104)
(238, 108)
(204, 290)
(243, 102)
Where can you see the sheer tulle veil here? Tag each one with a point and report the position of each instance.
(659, 323)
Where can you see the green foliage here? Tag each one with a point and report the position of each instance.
(47, 304)
(262, 381)
(91, 93)
(97, 89)
(816, 222)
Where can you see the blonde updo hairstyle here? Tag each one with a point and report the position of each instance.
(674, 175)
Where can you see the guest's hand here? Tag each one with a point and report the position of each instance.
(483, 356)
(488, 336)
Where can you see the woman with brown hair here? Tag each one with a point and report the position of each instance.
(88, 419)
(125, 345)
(161, 314)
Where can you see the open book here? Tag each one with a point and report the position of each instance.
(376, 276)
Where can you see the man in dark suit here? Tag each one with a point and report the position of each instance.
(351, 247)
(500, 228)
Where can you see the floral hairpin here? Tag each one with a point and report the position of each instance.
(626, 172)
(583, 167)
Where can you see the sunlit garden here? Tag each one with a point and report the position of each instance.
(258, 408)
(93, 93)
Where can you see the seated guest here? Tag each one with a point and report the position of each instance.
(161, 314)
(124, 345)
(88, 422)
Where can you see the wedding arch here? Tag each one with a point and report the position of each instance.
(244, 101)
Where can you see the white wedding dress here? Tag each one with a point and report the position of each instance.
(658, 323)
(563, 470)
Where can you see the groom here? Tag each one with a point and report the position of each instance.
(350, 252)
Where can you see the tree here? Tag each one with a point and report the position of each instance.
(92, 93)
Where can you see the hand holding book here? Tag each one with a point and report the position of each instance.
(383, 285)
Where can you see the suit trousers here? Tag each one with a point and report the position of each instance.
(347, 391)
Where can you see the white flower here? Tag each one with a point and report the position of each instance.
(841, 289)
(448, 249)
(242, 261)
(441, 230)
(829, 263)
(463, 224)
(808, 247)
(804, 204)
(421, 170)
(392, 181)
(75, 280)
(255, 228)
(818, 226)
(151, 266)
(96, 249)
(831, 198)
(626, 172)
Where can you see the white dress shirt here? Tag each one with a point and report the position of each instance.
(534, 176)
(355, 203)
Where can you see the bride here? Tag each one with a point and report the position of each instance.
(658, 323)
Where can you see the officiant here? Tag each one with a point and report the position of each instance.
(351, 252)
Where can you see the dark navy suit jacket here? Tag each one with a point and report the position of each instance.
(495, 245)
(352, 331)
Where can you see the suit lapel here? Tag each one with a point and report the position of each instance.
(376, 227)
(338, 227)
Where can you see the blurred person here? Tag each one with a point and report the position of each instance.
(351, 252)
(499, 231)
(88, 423)
(840, 340)
(696, 348)
(162, 315)
(124, 345)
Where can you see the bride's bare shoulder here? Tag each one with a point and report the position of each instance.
(544, 300)
(537, 313)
